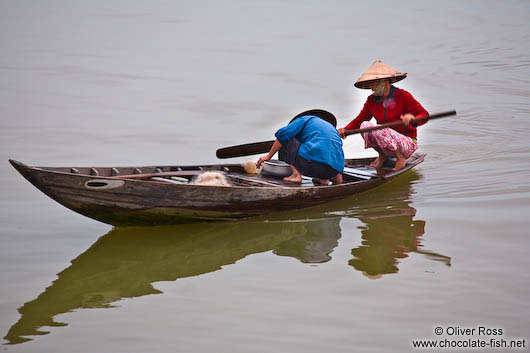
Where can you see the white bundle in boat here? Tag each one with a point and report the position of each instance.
(211, 178)
(250, 167)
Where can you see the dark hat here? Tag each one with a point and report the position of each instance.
(323, 114)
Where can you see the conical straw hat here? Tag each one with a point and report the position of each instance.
(378, 70)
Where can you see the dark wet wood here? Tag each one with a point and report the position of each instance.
(247, 149)
(126, 201)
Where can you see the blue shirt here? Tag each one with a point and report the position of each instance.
(320, 141)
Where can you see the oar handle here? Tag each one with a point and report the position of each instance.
(400, 122)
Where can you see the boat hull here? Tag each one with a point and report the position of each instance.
(130, 202)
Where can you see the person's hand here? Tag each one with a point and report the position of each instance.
(261, 160)
(342, 132)
(408, 118)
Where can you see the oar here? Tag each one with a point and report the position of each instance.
(246, 149)
(249, 149)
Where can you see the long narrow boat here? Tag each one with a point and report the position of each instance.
(126, 196)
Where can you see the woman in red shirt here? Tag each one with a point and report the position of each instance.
(388, 104)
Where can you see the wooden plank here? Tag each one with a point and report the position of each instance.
(162, 174)
(168, 181)
(253, 180)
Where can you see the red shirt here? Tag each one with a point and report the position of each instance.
(397, 103)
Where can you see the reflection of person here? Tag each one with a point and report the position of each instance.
(388, 104)
(319, 240)
(319, 153)
(386, 239)
(390, 231)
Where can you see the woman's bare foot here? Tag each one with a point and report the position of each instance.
(293, 179)
(378, 163)
(337, 179)
(400, 161)
(296, 177)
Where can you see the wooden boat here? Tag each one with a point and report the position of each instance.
(126, 196)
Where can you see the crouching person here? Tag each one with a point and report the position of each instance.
(312, 146)
(387, 104)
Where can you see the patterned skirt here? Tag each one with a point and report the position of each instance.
(388, 141)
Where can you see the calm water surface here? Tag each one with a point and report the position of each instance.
(137, 83)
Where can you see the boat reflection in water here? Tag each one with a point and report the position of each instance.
(126, 261)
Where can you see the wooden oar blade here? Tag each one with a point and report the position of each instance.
(247, 149)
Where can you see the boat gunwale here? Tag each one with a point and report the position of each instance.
(419, 157)
(184, 185)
